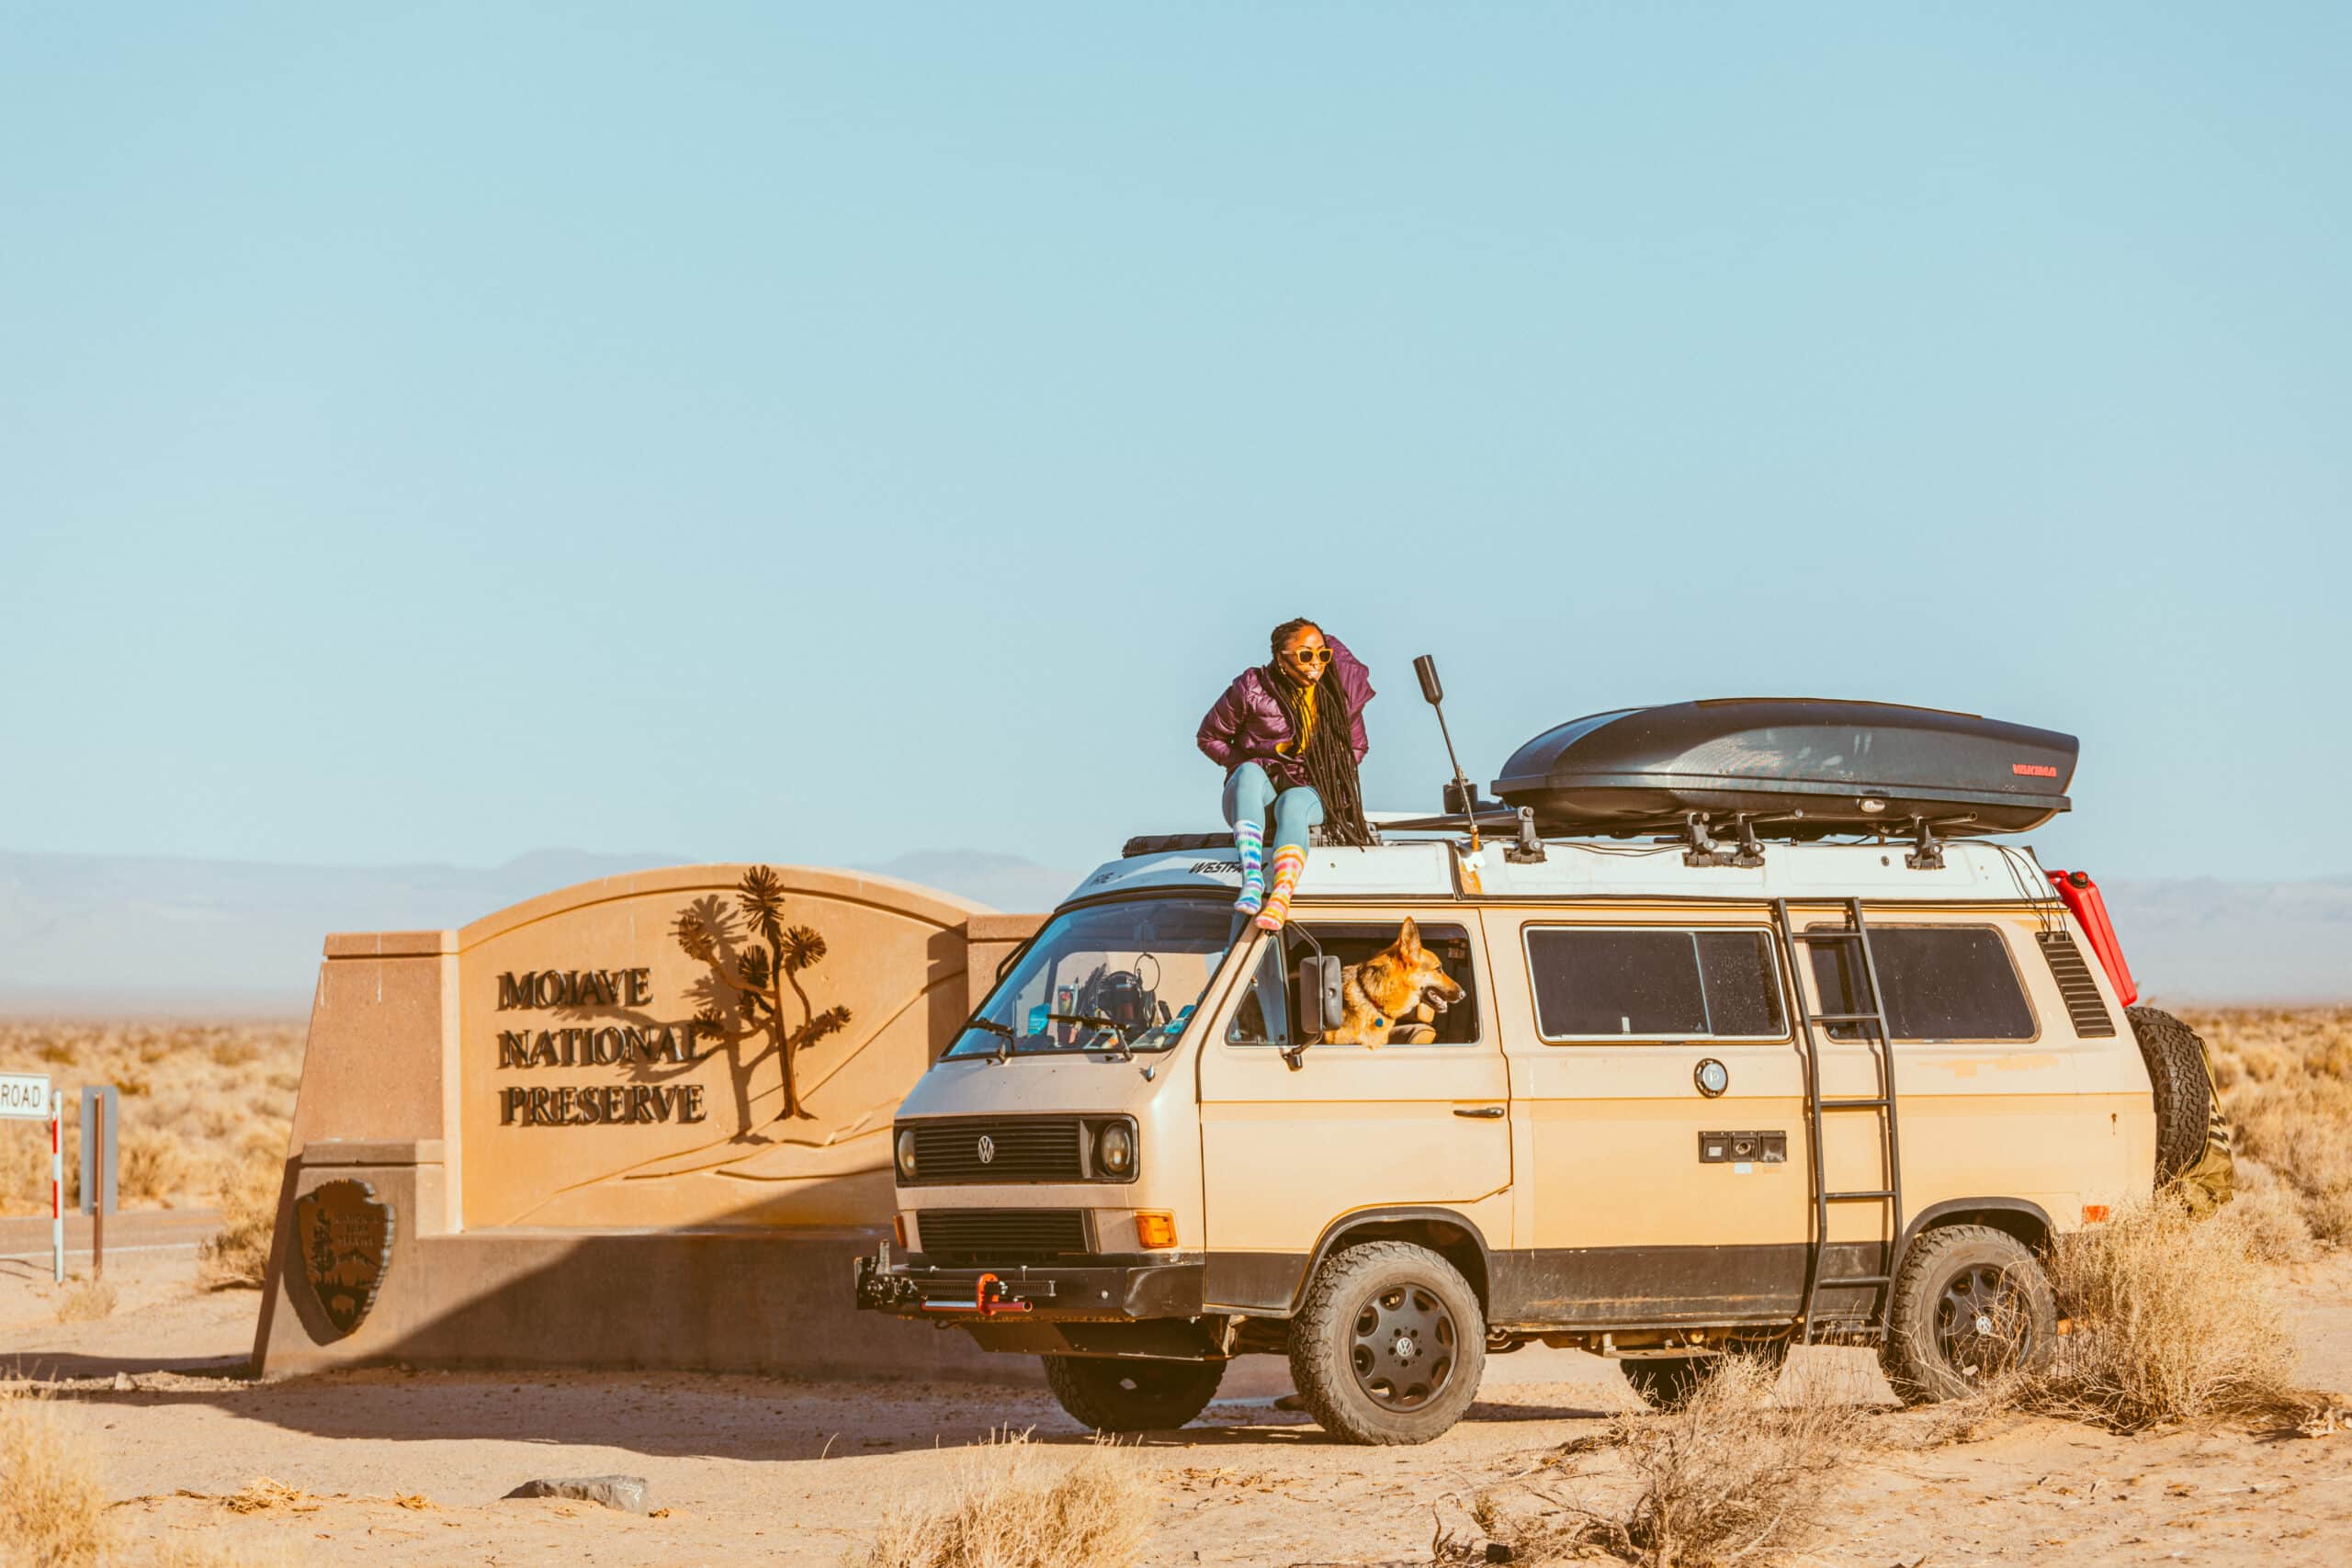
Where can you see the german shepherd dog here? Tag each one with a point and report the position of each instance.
(1394, 996)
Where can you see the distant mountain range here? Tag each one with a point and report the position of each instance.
(2196, 939)
(123, 936)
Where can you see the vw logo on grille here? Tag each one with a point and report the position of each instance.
(987, 1148)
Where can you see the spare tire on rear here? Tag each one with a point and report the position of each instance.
(2184, 1089)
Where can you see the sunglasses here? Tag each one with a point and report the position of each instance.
(1309, 655)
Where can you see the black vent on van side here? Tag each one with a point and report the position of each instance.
(2075, 984)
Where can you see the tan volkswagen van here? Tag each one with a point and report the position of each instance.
(1690, 1096)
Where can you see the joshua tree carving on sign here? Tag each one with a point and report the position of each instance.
(752, 964)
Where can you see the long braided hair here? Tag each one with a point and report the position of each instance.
(1329, 757)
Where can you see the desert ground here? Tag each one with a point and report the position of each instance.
(135, 1391)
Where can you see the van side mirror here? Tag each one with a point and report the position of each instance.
(1318, 1004)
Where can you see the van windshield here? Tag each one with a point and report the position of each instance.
(1094, 978)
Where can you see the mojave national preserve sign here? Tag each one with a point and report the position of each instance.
(674, 1087)
(695, 1054)
(720, 1044)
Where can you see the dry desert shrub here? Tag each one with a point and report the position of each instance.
(2283, 1073)
(87, 1302)
(152, 1166)
(2301, 1127)
(52, 1501)
(1731, 1475)
(1012, 1504)
(24, 1177)
(183, 1086)
(2173, 1320)
(238, 1253)
(2270, 1215)
(234, 1052)
(2264, 1064)
(267, 1495)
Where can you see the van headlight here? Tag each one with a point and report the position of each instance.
(1115, 1150)
(907, 1154)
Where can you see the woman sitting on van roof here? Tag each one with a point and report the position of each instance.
(1290, 739)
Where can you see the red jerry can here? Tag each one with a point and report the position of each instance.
(2082, 896)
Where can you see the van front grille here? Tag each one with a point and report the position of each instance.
(1020, 1148)
(1000, 1235)
(2076, 985)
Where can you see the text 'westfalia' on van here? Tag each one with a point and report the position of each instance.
(1726, 1027)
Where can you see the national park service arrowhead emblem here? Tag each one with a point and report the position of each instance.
(345, 1239)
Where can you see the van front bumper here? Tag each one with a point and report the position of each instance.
(1102, 1289)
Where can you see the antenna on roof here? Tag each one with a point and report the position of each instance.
(1460, 795)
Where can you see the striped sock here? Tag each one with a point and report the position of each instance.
(1251, 840)
(1290, 860)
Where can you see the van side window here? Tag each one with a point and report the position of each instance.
(1943, 983)
(1263, 1017)
(1653, 983)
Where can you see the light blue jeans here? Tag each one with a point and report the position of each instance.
(1248, 792)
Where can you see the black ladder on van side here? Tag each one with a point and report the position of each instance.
(1881, 1104)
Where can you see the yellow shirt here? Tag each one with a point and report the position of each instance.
(1297, 747)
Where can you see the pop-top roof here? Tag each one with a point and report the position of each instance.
(1581, 869)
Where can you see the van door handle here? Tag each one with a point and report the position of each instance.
(1488, 1112)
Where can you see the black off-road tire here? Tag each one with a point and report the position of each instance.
(1113, 1396)
(1933, 1351)
(1357, 1297)
(1665, 1381)
(2176, 1059)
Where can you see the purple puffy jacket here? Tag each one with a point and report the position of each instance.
(1248, 723)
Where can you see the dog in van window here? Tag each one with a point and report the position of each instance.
(1394, 997)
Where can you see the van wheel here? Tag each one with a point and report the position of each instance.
(1110, 1395)
(1970, 1305)
(2176, 1059)
(1665, 1381)
(1389, 1345)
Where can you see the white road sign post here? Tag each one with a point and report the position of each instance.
(26, 1097)
(57, 1185)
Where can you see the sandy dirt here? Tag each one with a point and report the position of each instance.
(400, 1467)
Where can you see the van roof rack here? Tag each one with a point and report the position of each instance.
(1181, 844)
(1171, 843)
(1491, 817)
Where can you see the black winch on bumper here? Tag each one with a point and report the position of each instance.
(1107, 1306)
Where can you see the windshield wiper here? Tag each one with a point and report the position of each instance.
(1004, 1051)
(1126, 1051)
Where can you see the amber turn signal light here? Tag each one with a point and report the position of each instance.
(898, 1230)
(2094, 1213)
(1155, 1230)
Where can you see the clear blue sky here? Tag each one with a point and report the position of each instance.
(431, 434)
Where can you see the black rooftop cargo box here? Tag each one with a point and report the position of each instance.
(1801, 767)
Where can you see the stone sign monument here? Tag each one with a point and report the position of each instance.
(642, 1121)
